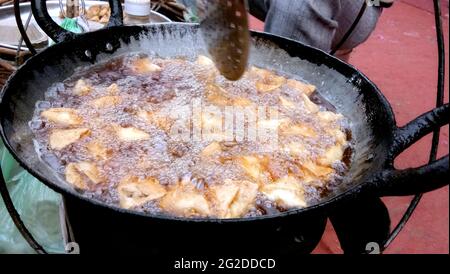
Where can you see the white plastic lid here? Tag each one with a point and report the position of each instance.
(137, 7)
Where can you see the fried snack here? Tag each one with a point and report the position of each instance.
(82, 174)
(60, 138)
(185, 200)
(338, 134)
(82, 88)
(93, 10)
(299, 130)
(145, 66)
(103, 11)
(209, 71)
(113, 89)
(95, 18)
(268, 81)
(134, 192)
(301, 87)
(216, 95)
(328, 116)
(104, 19)
(286, 192)
(315, 171)
(211, 149)
(296, 149)
(272, 124)
(98, 150)
(233, 199)
(242, 102)
(253, 166)
(62, 116)
(202, 60)
(309, 105)
(98, 13)
(285, 102)
(164, 123)
(130, 134)
(106, 101)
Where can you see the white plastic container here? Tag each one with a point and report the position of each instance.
(137, 7)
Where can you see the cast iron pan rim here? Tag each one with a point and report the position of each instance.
(342, 65)
(66, 191)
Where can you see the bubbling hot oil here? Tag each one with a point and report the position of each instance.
(179, 83)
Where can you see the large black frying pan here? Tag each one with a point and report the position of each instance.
(377, 138)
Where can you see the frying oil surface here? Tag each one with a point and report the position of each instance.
(172, 136)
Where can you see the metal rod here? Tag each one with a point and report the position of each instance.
(441, 74)
(9, 205)
(22, 31)
(439, 102)
(15, 216)
(19, 44)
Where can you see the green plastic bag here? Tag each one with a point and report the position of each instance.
(37, 205)
(70, 24)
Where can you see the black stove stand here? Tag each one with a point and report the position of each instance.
(360, 225)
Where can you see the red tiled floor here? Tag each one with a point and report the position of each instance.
(427, 5)
(401, 58)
